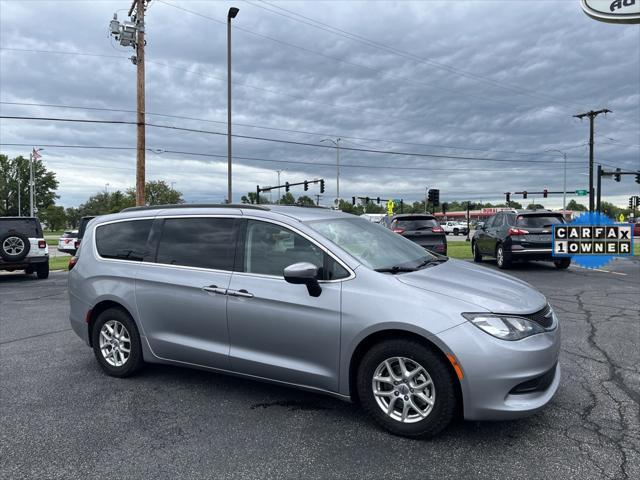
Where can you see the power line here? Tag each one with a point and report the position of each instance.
(304, 132)
(427, 61)
(160, 151)
(287, 142)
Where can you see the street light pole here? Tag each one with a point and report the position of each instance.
(336, 142)
(19, 188)
(233, 11)
(564, 184)
(32, 182)
(279, 184)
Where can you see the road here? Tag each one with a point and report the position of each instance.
(62, 418)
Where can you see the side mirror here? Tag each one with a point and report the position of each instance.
(304, 273)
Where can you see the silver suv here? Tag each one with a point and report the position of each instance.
(315, 299)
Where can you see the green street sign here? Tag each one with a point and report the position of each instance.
(582, 193)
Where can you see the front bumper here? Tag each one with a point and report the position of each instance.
(493, 369)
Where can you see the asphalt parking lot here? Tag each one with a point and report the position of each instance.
(61, 417)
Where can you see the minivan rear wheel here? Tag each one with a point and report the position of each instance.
(406, 388)
(116, 343)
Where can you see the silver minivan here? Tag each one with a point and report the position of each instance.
(315, 299)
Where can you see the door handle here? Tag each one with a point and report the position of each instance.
(240, 293)
(215, 289)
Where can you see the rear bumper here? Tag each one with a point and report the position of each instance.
(493, 370)
(24, 263)
(519, 252)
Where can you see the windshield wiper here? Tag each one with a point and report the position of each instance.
(431, 261)
(395, 269)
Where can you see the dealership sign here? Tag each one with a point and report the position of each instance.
(613, 11)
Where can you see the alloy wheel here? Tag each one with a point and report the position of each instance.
(115, 343)
(13, 246)
(403, 389)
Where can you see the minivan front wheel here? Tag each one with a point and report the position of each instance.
(116, 343)
(406, 388)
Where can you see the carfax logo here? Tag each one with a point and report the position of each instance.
(592, 240)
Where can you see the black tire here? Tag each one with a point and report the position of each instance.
(502, 258)
(42, 270)
(477, 256)
(134, 361)
(444, 407)
(22, 241)
(456, 231)
(562, 264)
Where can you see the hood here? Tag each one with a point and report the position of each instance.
(481, 286)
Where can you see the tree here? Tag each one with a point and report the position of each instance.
(157, 192)
(14, 183)
(578, 207)
(287, 199)
(73, 217)
(305, 201)
(251, 198)
(535, 206)
(106, 202)
(54, 217)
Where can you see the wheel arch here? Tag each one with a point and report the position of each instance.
(101, 307)
(381, 335)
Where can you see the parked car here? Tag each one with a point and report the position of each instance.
(374, 217)
(456, 228)
(84, 221)
(67, 242)
(520, 235)
(23, 247)
(315, 299)
(422, 229)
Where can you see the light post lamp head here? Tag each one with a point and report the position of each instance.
(233, 11)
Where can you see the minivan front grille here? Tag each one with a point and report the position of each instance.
(544, 317)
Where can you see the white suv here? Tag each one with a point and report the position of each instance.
(23, 247)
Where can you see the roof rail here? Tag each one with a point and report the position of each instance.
(197, 205)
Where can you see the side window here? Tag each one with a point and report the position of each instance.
(270, 248)
(489, 222)
(123, 240)
(204, 242)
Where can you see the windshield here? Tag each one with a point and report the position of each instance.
(371, 244)
(419, 223)
(538, 221)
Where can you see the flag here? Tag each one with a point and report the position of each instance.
(35, 155)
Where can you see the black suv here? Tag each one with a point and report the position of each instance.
(518, 235)
(422, 229)
(22, 246)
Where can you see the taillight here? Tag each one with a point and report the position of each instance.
(398, 230)
(437, 230)
(515, 232)
(72, 262)
(42, 244)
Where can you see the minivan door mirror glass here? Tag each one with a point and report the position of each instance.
(304, 273)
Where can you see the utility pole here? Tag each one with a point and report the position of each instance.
(591, 115)
(317, 195)
(279, 171)
(31, 184)
(131, 34)
(19, 190)
(599, 188)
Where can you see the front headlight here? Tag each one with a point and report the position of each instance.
(504, 327)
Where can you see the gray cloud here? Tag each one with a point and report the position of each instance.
(550, 61)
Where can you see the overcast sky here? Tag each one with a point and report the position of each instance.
(481, 79)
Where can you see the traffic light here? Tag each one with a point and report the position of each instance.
(524, 194)
(321, 186)
(545, 193)
(434, 197)
(286, 186)
(353, 200)
(367, 199)
(631, 202)
(306, 185)
(508, 195)
(638, 178)
(378, 200)
(444, 208)
(616, 176)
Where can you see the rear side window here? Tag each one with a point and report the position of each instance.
(29, 227)
(419, 223)
(538, 221)
(123, 240)
(205, 242)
